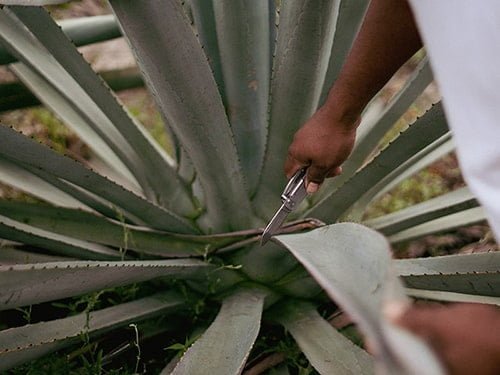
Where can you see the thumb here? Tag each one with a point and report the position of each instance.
(315, 177)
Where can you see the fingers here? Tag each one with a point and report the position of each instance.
(292, 165)
(334, 172)
(315, 175)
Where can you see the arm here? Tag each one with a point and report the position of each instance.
(387, 38)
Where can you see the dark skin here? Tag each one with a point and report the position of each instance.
(388, 37)
(465, 336)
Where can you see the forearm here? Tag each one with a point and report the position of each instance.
(386, 40)
(388, 37)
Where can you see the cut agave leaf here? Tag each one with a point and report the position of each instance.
(443, 205)
(328, 351)
(440, 225)
(22, 344)
(470, 274)
(188, 97)
(226, 344)
(353, 265)
(241, 26)
(26, 284)
(304, 42)
(23, 151)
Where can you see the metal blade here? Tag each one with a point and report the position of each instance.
(275, 224)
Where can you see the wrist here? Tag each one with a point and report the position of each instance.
(340, 115)
(342, 107)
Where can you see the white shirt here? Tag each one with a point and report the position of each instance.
(462, 38)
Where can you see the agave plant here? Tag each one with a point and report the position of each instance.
(233, 81)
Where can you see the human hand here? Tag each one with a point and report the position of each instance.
(322, 144)
(465, 336)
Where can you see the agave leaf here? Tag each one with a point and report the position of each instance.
(81, 31)
(298, 283)
(29, 235)
(87, 30)
(470, 274)
(58, 104)
(26, 284)
(484, 283)
(440, 225)
(370, 132)
(83, 225)
(351, 14)
(439, 295)
(187, 95)
(21, 179)
(221, 350)
(328, 351)
(12, 254)
(443, 205)
(73, 77)
(204, 22)
(264, 264)
(436, 150)
(15, 95)
(352, 263)
(19, 149)
(304, 42)
(241, 27)
(448, 264)
(21, 344)
(422, 133)
(356, 212)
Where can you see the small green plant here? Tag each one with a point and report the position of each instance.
(166, 241)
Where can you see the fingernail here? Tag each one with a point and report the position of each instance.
(312, 187)
(393, 311)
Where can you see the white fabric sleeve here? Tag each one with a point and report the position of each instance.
(462, 38)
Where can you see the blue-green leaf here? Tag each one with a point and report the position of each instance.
(328, 351)
(179, 76)
(243, 41)
(28, 153)
(22, 344)
(304, 41)
(226, 344)
(26, 284)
